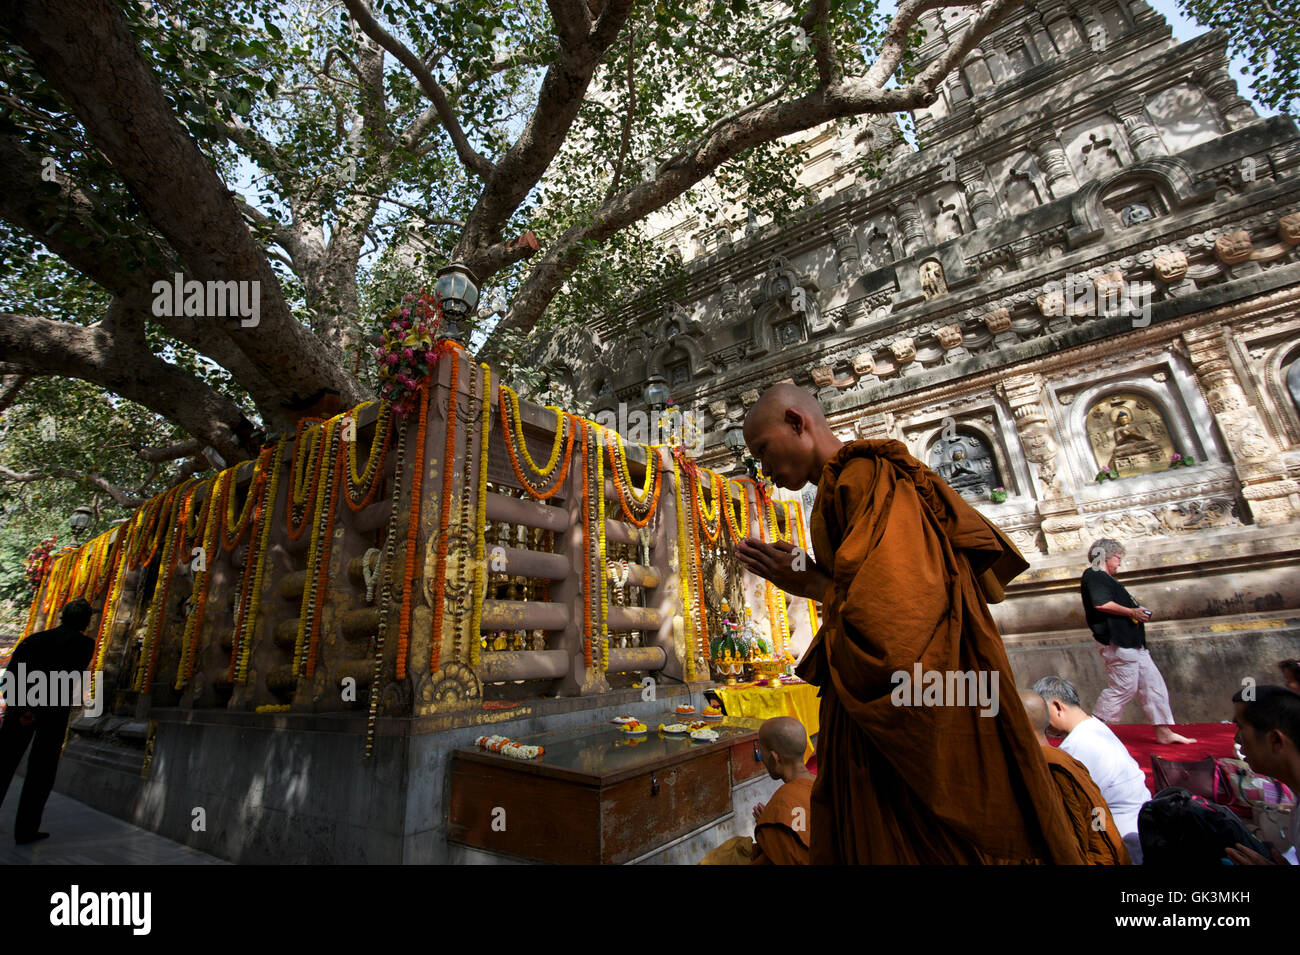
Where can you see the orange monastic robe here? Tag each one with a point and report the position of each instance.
(1082, 798)
(781, 831)
(917, 783)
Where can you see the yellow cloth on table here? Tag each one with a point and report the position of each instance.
(764, 702)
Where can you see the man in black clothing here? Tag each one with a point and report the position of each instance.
(1118, 623)
(56, 653)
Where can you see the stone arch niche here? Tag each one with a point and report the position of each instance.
(1128, 432)
(1161, 185)
(787, 311)
(966, 460)
(677, 351)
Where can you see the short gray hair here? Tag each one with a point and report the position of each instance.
(1100, 551)
(1057, 688)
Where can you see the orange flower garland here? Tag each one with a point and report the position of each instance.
(324, 548)
(193, 625)
(516, 436)
(623, 484)
(368, 481)
(444, 516)
(302, 476)
(162, 584)
(254, 566)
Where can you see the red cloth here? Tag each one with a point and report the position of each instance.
(1212, 739)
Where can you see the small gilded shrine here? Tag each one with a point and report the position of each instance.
(1128, 435)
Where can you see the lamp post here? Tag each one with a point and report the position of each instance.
(733, 436)
(457, 290)
(79, 521)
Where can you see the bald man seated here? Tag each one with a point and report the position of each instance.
(904, 568)
(1099, 838)
(781, 826)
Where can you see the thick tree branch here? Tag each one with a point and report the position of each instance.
(10, 385)
(816, 24)
(46, 347)
(122, 497)
(468, 154)
(85, 49)
(170, 452)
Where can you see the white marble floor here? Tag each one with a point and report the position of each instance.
(80, 835)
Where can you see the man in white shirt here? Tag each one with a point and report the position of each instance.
(1091, 742)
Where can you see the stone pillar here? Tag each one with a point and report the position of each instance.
(979, 198)
(1142, 137)
(977, 72)
(1236, 110)
(1055, 165)
(1271, 497)
(848, 259)
(910, 226)
(1056, 17)
(1062, 524)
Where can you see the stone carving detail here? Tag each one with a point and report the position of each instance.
(1166, 519)
(1135, 214)
(1233, 248)
(903, 350)
(998, 321)
(749, 398)
(949, 336)
(1288, 229)
(1023, 393)
(1171, 266)
(932, 281)
(864, 363)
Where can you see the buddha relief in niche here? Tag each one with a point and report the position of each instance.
(1128, 435)
(966, 463)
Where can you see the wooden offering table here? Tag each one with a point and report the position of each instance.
(597, 795)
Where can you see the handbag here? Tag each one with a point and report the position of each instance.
(1201, 777)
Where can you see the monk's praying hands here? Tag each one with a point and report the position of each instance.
(777, 562)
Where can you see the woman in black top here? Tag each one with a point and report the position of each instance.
(1118, 623)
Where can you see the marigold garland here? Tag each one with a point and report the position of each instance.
(515, 436)
(480, 542)
(194, 624)
(794, 518)
(163, 583)
(737, 530)
(318, 552)
(444, 516)
(683, 548)
(255, 568)
(361, 488)
(637, 508)
(561, 419)
(306, 466)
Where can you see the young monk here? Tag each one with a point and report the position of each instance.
(781, 826)
(901, 559)
(1099, 838)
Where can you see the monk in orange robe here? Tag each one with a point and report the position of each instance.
(781, 826)
(904, 568)
(1099, 839)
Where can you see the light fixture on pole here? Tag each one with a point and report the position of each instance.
(733, 436)
(80, 520)
(457, 290)
(656, 393)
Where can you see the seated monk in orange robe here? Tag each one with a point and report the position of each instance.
(904, 568)
(781, 826)
(1099, 839)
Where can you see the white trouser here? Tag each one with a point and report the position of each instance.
(1132, 673)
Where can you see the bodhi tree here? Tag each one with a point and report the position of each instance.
(320, 157)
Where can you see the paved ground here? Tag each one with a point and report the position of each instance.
(80, 835)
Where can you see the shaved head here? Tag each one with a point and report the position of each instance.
(771, 407)
(1037, 710)
(784, 736)
(786, 431)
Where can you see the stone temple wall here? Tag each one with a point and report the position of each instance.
(1079, 302)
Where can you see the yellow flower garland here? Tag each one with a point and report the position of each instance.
(258, 559)
(480, 544)
(794, 518)
(190, 637)
(518, 422)
(683, 548)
